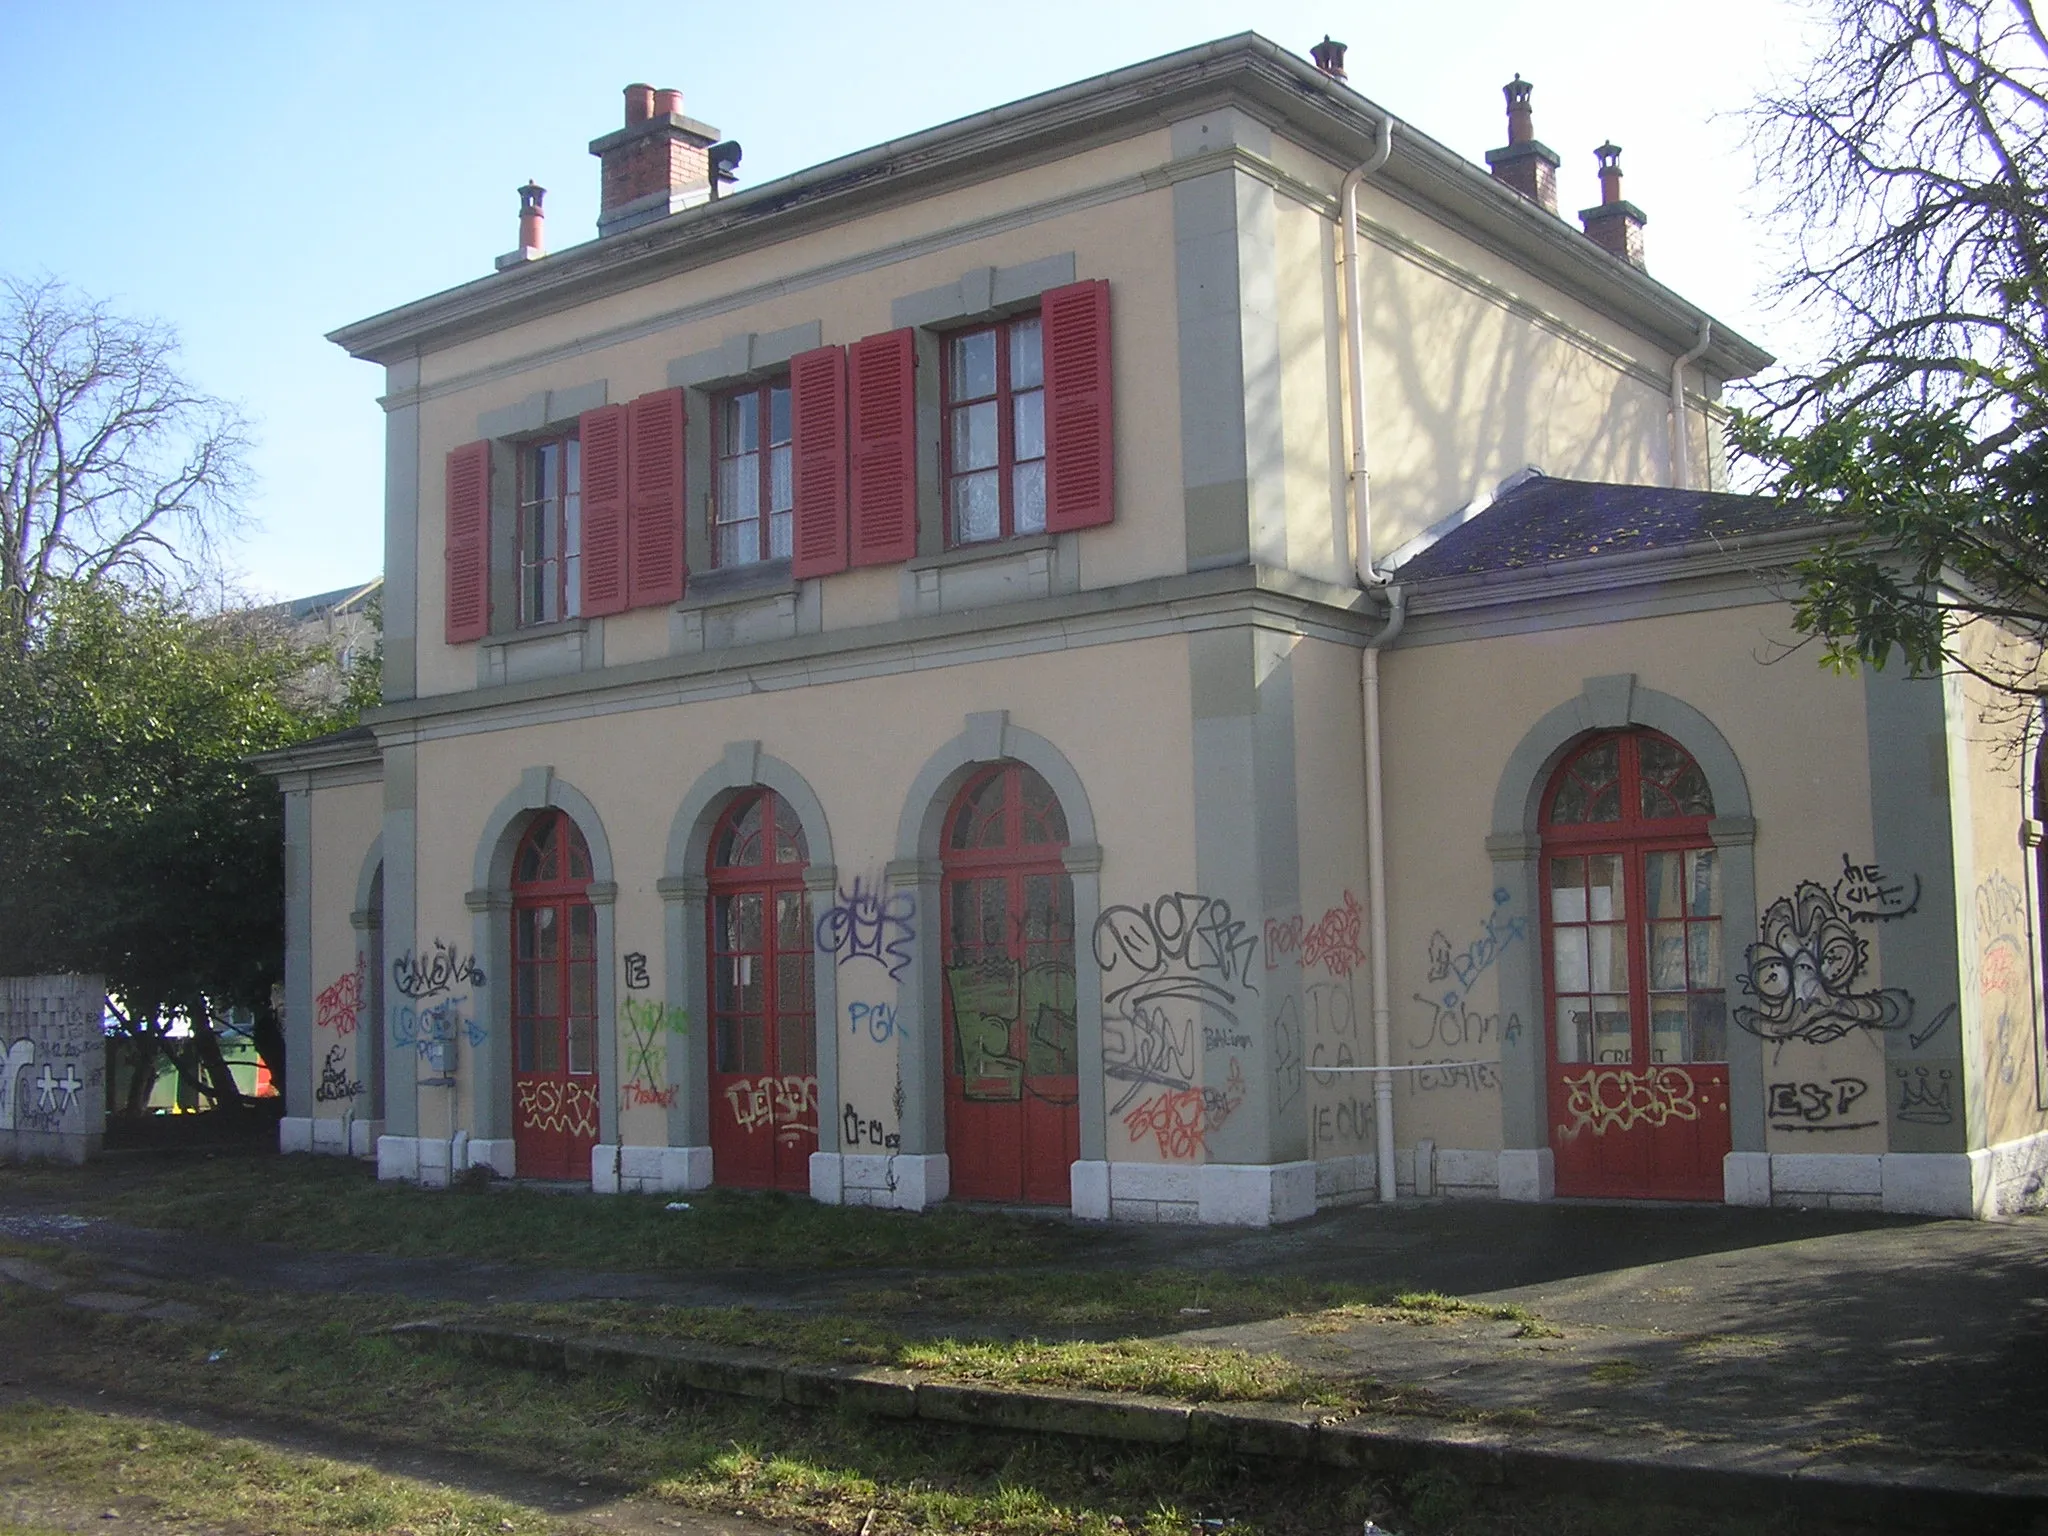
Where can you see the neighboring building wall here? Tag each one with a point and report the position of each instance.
(53, 1064)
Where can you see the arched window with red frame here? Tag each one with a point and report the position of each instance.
(764, 1044)
(1012, 1056)
(1635, 972)
(554, 1002)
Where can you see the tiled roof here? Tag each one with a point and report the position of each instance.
(1542, 521)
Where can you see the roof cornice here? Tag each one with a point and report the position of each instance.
(1286, 91)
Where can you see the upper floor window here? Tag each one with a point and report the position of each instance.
(995, 432)
(550, 530)
(753, 492)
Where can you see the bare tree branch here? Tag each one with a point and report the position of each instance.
(111, 463)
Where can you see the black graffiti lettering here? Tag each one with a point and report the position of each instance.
(429, 975)
(1812, 1106)
(1864, 895)
(335, 1085)
(856, 1132)
(636, 971)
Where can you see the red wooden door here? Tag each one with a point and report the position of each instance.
(1635, 973)
(554, 1003)
(764, 1047)
(1013, 1122)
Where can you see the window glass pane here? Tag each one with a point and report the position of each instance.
(753, 1045)
(728, 1045)
(1027, 425)
(781, 490)
(1027, 497)
(1568, 805)
(523, 1051)
(1667, 958)
(572, 564)
(972, 366)
(583, 1046)
(741, 845)
(737, 543)
(1044, 821)
(795, 1050)
(1668, 1030)
(1703, 883)
(544, 995)
(547, 1040)
(526, 996)
(791, 986)
(744, 929)
(572, 469)
(742, 423)
(1663, 885)
(974, 436)
(1709, 1018)
(1672, 782)
(1574, 1029)
(1607, 948)
(1026, 369)
(579, 854)
(582, 933)
(742, 984)
(1568, 959)
(1609, 903)
(1605, 804)
(1568, 890)
(792, 925)
(1703, 967)
(778, 535)
(1610, 1030)
(977, 508)
(582, 991)
(547, 937)
(778, 414)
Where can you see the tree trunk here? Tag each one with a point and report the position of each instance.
(221, 1081)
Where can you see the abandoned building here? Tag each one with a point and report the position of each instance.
(1173, 649)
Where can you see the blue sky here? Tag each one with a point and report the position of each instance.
(257, 174)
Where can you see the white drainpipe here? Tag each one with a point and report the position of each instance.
(1681, 439)
(1373, 580)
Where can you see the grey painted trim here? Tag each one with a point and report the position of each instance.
(402, 554)
(1214, 473)
(298, 952)
(983, 293)
(744, 357)
(369, 908)
(544, 410)
(742, 766)
(401, 913)
(1912, 831)
(989, 737)
(489, 901)
(1514, 846)
(1325, 117)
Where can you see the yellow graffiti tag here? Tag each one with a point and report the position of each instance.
(1620, 1100)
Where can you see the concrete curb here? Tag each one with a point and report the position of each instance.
(1735, 1478)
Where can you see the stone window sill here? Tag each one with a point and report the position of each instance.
(995, 549)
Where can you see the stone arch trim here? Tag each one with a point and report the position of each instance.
(1610, 703)
(742, 766)
(489, 901)
(366, 877)
(990, 737)
(539, 790)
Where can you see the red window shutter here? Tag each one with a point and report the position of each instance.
(654, 499)
(1080, 486)
(603, 436)
(817, 387)
(883, 418)
(468, 543)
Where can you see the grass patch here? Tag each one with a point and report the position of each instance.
(1617, 1373)
(166, 1472)
(338, 1205)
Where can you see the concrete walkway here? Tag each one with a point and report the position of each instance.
(1809, 1344)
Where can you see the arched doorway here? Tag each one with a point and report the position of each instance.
(1012, 1061)
(1635, 972)
(554, 1002)
(764, 1045)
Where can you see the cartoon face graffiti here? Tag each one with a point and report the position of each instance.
(1803, 969)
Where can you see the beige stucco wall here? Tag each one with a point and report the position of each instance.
(1455, 712)
(1997, 905)
(859, 745)
(345, 822)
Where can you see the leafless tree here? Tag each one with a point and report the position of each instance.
(111, 463)
(1909, 161)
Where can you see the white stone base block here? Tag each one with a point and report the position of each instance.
(1254, 1194)
(1349, 1180)
(1089, 1183)
(648, 1170)
(495, 1154)
(1153, 1192)
(1467, 1173)
(330, 1137)
(880, 1180)
(362, 1137)
(295, 1133)
(2016, 1176)
(1933, 1183)
(398, 1157)
(1746, 1178)
(1527, 1173)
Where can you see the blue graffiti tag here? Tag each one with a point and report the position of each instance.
(878, 1018)
(422, 1029)
(1477, 957)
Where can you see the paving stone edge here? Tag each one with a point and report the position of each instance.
(1932, 1499)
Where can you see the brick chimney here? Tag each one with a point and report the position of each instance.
(1525, 163)
(532, 228)
(654, 166)
(1615, 226)
(1329, 57)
